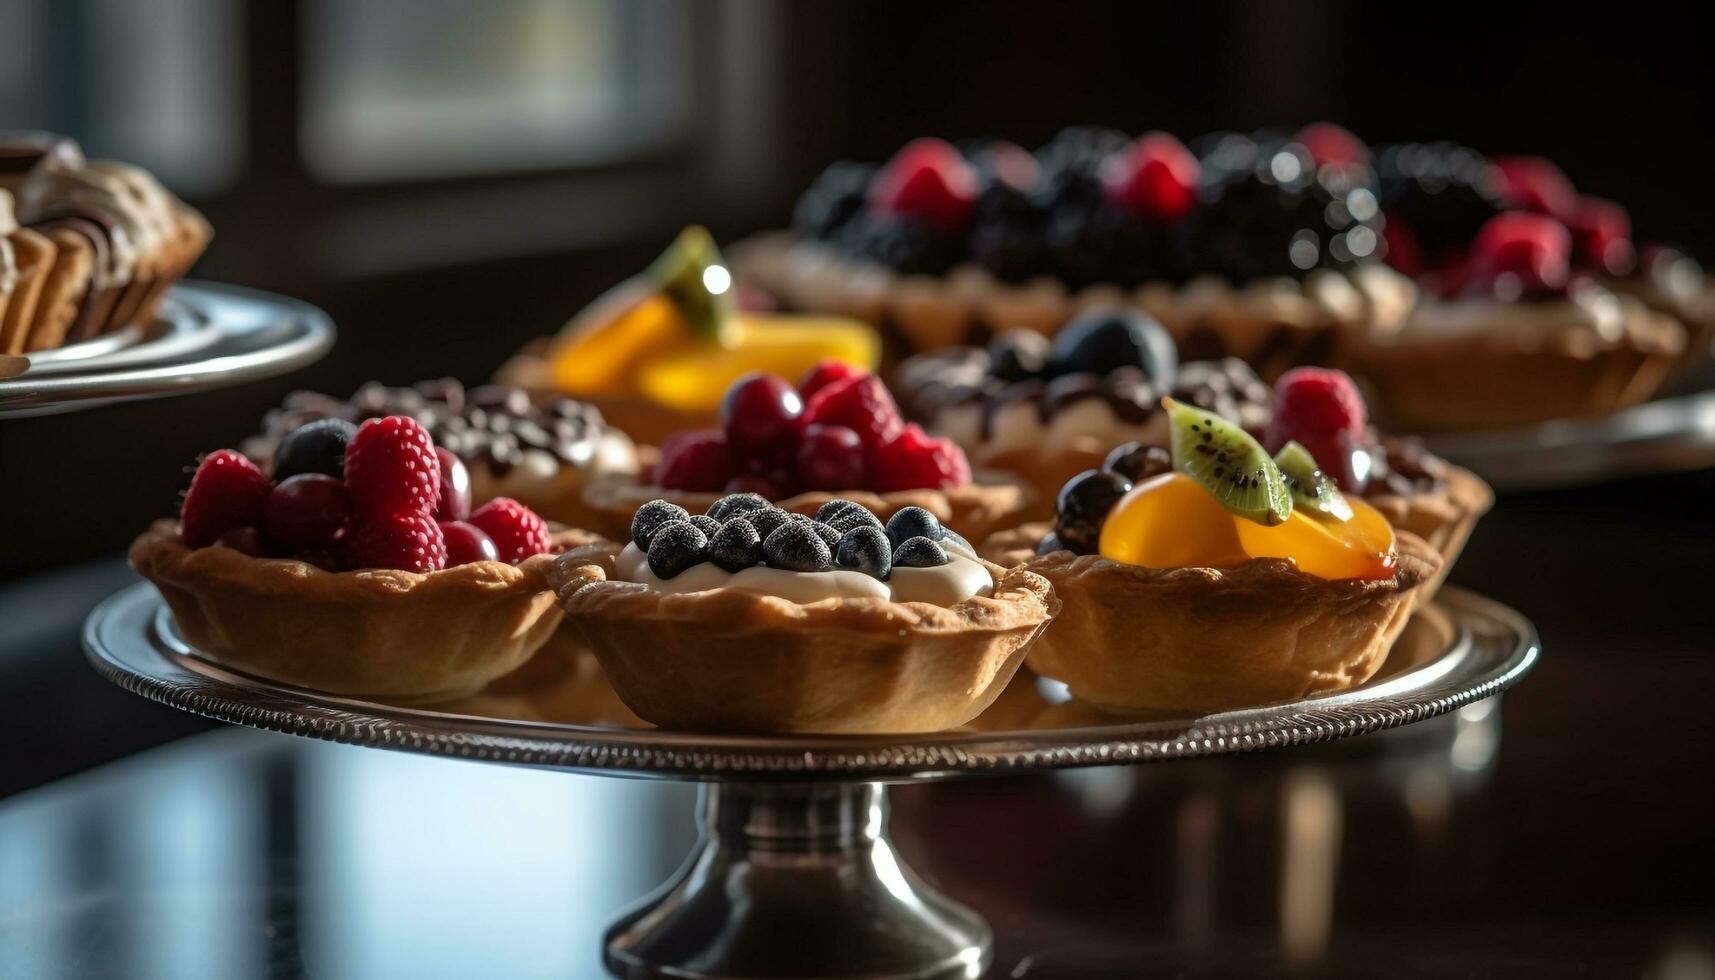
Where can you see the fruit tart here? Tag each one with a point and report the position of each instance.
(1257, 248)
(1531, 309)
(1047, 410)
(1232, 579)
(749, 618)
(837, 433)
(356, 569)
(541, 454)
(655, 353)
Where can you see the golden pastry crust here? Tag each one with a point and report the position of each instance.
(1513, 374)
(1134, 639)
(975, 510)
(730, 660)
(373, 633)
(1443, 517)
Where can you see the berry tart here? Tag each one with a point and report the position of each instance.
(541, 454)
(750, 618)
(1049, 409)
(1532, 308)
(355, 567)
(1232, 579)
(1258, 248)
(656, 352)
(837, 433)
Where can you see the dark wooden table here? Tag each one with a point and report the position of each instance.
(1566, 835)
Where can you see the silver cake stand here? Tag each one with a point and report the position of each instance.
(207, 335)
(795, 874)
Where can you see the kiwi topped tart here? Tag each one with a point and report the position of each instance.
(1217, 580)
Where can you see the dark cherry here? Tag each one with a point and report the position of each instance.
(307, 511)
(467, 543)
(454, 502)
(1137, 462)
(1084, 504)
(760, 415)
(1101, 341)
(830, 457)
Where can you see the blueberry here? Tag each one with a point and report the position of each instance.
(707, 525)
(1102, 341)
(796, 547)
(866, 549)
(1084, 504)
(920, 552)
(676, 546)
(913, 522)
(1137, 462)
(766, 521)
(734, 504)
(650, 517)
(843, 515)
(828, 533)
(736, 546)
(318, 447)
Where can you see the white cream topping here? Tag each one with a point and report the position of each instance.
(1019, 426)
(1580, 309)
(945, 585)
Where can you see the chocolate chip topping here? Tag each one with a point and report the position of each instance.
(1404, 466)
(493, 425)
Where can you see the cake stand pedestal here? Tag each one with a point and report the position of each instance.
(794, 874)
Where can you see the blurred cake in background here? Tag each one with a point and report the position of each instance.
(1255, 248)
(656, 353)
(86, 246)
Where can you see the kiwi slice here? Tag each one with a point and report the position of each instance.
(695, 279)
(1228, 463)
(1311, 488)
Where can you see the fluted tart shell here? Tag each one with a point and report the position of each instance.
(372, 633)
(728, 660)
(1134, 639)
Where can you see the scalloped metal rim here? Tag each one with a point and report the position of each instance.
(1495, 648)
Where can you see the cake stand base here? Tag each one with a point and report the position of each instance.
(797, 880)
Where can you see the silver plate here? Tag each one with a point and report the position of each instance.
(208, 335)
(1459, 650)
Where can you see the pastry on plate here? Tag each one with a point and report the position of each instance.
(837, 433)
(1256, 249)
(541, 454)
(749, 618)
(355, 567)
(655, 352)
(1229, 581)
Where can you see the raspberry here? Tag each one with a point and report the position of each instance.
(861, 404)
(824, 374)
(928, 180)
(408, 542)
(694, 460)
(1602, 232)
(515, 529)
(1155, 177)
(227, 492)
(1312, 401)
(830, 458)
(1521, 253)
(1333, 144)
(391, 468)
(1536, 184)
(914, 461)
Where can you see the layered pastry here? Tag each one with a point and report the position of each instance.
(836, 433)
(749, 618)
(1534, 306)
(656, 352)
(356, 566)
(1257, 248)
(86, 246)
(1230, 580)
(542, 454)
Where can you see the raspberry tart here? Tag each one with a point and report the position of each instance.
(1232, 579)
(541, 454)
(1256, 248)
(656, 352)
(837, 433)
(356, 567)
(749, 618)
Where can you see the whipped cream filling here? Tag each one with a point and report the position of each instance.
(1019, 426)
(540, 472)
(946, 585)
(1588, 308)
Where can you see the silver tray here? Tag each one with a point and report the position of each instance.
(207, 335)
(795, 875)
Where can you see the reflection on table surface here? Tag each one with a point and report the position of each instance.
(239, 854)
